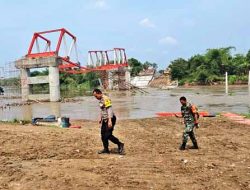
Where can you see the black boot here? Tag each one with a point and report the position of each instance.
(183, 146)
(121, 148)
(195, 146)
(104, 151)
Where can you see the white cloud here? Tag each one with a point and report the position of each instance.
(168, 40)
(147, 23)
(101, 4)
(98, 5)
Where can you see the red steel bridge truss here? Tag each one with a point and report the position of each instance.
(62, 44)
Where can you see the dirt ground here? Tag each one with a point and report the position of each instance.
(54, 158)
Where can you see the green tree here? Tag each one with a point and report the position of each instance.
(202, 77)
(241, 65)
(211, 66)
(39, 73)
(179, 68)
(196, 61)
(136, 66)
(248, 60)
(148, 64)
(218, 60)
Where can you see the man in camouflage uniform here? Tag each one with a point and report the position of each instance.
(107, 121)
(190, 114)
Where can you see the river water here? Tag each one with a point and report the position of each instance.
(128, 105)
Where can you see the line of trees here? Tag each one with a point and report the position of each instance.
(79, 81)
(209, 68)
(70, 84)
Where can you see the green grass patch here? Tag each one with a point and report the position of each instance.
(247, 115)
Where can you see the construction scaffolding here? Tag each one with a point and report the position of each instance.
(112, 67)
(10, 81)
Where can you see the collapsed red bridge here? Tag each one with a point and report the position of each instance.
(62, 43)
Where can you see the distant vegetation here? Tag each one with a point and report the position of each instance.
(136, 66)
(202, 69)
(10, 82)
(247, 115)
(210, 68)
(78, 83)
(70, 84)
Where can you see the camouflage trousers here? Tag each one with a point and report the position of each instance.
(189, 132)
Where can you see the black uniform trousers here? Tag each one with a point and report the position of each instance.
(107, 133)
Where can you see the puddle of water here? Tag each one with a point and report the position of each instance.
(130, 106)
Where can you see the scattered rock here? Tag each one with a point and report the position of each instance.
(184, 160)
(77, 150)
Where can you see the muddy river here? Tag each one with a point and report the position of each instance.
(128, 105)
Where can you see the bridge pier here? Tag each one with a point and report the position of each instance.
(127, 75)
(25, 88)
(54, 84)
(51, 63)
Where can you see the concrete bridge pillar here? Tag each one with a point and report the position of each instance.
(127, 75)
(54, 84)
(25, 73)
(51, 63)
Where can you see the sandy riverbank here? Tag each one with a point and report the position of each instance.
(54, 158)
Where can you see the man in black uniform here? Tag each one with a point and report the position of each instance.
(107, 121)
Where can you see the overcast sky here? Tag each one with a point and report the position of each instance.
(158, 31)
